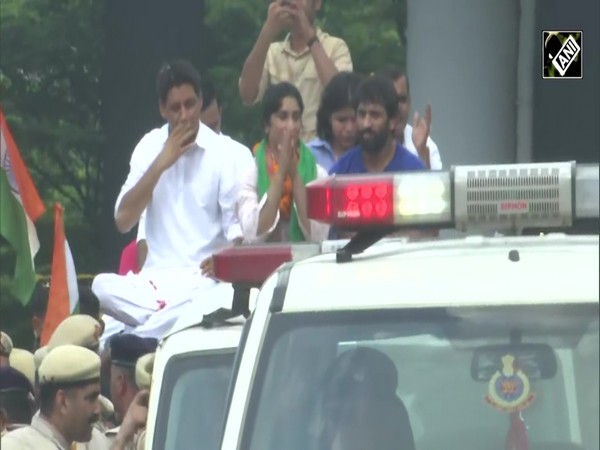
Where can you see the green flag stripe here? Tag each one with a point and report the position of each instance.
(13, 227)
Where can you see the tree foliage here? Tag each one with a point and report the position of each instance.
(49, 77)
(50, 91)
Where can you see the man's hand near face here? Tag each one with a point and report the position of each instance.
(279, 16)
(301, 22)
(134, 420)
(180, 139)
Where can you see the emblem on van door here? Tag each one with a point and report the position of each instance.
(509, 388)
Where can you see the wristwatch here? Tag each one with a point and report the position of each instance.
(312, 40)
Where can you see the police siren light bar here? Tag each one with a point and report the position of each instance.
(497, 198)
(250, 265)
(469, 198)
(366, 201)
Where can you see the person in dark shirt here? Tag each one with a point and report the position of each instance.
(376, 106)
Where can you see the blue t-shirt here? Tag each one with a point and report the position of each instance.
(352, 162)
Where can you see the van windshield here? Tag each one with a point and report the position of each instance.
(193, 401)
(460, 378)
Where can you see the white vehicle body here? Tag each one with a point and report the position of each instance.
(191, 376)
(466, 279)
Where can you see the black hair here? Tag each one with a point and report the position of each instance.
(48, 393)
(127, 372)
(209, 94)
(47, 396)
(394, 73)
(17, 405)
(88, 302)
(274, 98)
(337, 95)
(380, 90)
(175, 74)
(39, 300)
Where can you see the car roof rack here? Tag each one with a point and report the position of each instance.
(240, 306)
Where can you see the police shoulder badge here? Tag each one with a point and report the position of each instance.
(509, 389)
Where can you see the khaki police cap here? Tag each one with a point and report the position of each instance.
(24, 362)
(108, 409)
(6, 344)
(69, 364)
(79, 329)
(143, 371)
(39, 356)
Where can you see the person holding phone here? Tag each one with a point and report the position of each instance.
(185, 185)
(307, 58)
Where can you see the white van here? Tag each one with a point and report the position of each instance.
(461, 344)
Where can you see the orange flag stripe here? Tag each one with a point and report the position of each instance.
(58, 302)
(32, 203)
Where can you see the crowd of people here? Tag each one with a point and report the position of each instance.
(192, 191)
(52, 398)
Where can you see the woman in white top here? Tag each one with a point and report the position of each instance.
(272, 202)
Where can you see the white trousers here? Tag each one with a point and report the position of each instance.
(149, 303)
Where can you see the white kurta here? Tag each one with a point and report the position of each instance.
(191, 215)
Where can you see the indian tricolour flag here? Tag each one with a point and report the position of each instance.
(64, 293)
(20, 207)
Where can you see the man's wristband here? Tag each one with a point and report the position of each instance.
(312, 40)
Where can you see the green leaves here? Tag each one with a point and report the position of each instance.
(50, 82)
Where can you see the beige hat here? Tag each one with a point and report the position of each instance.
(108, 409)
(79, 329)
(69, 364)
(24, 362)
(143, 371)
(6, 344)
(39, 356)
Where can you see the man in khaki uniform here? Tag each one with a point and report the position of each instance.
(125, 351)
(69, 379)
(83, 331)
(16, 405)
(131, 435)
(6, 346)
(308, 58)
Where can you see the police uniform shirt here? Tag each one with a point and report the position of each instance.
(41, 435)
(63, 365)
(136, 443)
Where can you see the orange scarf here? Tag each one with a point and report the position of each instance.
(285, 203)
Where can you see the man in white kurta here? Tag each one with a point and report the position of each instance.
(190, 216)
(185, 184)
